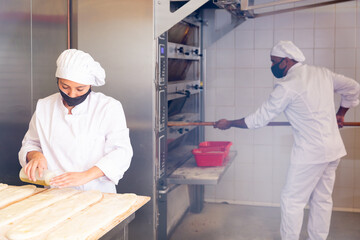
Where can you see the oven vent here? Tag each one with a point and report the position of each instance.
(242, 8)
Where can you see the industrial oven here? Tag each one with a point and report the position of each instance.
(180, 98)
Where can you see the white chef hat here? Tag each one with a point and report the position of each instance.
(78, 66)
(287, 49)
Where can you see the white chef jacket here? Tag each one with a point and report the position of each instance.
(306, 96)
(95, 134)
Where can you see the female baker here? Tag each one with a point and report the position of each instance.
(77, 132)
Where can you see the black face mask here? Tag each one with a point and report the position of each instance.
(277, 71)
(74, 101)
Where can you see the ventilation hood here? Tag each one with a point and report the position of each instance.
(165, 18)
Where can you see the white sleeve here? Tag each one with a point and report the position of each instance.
(31, 141)
(277, 102)
(348, 89)
(118, 147)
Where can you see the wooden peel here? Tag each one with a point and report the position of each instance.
(180, 124)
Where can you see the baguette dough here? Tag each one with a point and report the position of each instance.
(14, 193)
(3, 186)
(32, 204)
(47, 218)
(90, 220)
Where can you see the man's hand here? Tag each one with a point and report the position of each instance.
(36, 160)
(340, 115)
(222, 124)
(340, 120)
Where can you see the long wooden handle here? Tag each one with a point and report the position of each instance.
(179, 124)
(346, 124)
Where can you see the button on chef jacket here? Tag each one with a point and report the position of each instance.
(95, 134)
(306, 96)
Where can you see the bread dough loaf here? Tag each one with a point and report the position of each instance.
(13, 193)
(47, 218)
(3, 186)
(32, 204)
(90, 220)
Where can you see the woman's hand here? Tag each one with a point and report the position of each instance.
(36, 160)
(72, 179)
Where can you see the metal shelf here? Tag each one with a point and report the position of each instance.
(190, 173)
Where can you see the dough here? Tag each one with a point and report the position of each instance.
(90, 220)
(3, 186)
(47, 218)
(32, 204)
(13, 193)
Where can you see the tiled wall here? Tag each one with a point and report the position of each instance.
(239, 79)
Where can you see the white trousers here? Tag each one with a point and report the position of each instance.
(313, 184)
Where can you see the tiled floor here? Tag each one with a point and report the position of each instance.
(238, 222)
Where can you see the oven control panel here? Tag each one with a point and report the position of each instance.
(161, 98)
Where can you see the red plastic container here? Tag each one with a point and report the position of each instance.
(212, 153)
(221, 145)
(206, 157)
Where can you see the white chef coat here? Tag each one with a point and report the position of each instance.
(306, 96)
(95, 134)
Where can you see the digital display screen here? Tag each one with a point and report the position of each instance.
(162, 50)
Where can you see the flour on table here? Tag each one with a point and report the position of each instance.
(90, 220)
(13, 193)
(32, 204)
(47, 218)
(3, 186)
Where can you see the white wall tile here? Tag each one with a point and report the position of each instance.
(225, 78)
(226, 42)
(304, 38)
(283, 34)
(284, 20)
(209, 114)
(324, 58)
(263, 77)
(264, 38)
(244, 39)
(344, 178)
(325, 17)
(210, 97)
(282, 136)
(244, 58)
(209, 192)
(225, 58)
(262, 174)
(263, 136)
(245, 154)
(345, 17)
(348, 72)
(345, 38)
(248, 24)
(224, 190)
(244, 136)
(244, 192)
(324, 38)
(225, 97)
(263, 157)
(264, 22)
(261, 95)
(244, 172)
(304, 18)
(345, 58)
(244, 77)
(263, 191)
(210, 80)
(343, 197)
(309, 55)
(262, 58)
(281, 156)
(244, 97)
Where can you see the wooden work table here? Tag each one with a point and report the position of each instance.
(116, 229)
